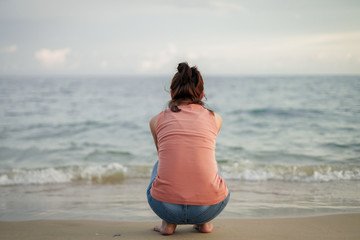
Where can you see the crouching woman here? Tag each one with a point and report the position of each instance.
(185, 186)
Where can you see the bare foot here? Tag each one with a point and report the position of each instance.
(165, 228)
(204, 228)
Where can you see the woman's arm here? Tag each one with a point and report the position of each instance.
(153, 123)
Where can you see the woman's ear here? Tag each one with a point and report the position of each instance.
(202, 95)
(171, 94)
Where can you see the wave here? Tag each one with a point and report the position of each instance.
(257, 112)
(102, 174)
(355, 146)
(266, 172)
(48, 130)
(116, 173)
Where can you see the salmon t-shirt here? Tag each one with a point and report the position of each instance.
(187, 170)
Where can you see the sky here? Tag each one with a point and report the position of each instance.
(144, 37)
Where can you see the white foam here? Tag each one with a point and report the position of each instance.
(260, 172)
(36, 176)
(89, 173)
(99, 171)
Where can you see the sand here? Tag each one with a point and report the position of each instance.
(345, 226)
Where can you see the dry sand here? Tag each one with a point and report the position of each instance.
(345, 226)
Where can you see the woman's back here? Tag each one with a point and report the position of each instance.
(187, 171)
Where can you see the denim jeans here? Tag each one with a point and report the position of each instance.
(183, 214)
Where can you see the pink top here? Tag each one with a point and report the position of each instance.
(187, 170)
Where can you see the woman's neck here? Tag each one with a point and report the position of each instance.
(184, 102)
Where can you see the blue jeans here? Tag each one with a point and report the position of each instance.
(183, 214)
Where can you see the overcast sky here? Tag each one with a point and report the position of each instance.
(151, 37)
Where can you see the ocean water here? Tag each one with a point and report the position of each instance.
(80, 147)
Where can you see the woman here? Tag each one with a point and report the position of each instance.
(185, 186)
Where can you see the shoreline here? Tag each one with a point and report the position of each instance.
(338, 226)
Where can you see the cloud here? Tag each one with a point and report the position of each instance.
(9, 67)
(104, 64)
(10, 49)
(160, 60)
(212, 7)
(52, 58)
(225, 7)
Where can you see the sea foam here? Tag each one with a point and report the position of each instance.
(111, 173)
(249, 171)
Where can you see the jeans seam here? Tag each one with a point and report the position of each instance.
(165, 214)
(219, 207)
(203, 214)
(170, 214)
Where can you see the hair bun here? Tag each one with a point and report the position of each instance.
(183, 67)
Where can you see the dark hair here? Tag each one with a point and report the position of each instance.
(186, 85)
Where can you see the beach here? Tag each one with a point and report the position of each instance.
(76, 156)
(345, 226)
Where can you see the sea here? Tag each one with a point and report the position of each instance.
(79, 147)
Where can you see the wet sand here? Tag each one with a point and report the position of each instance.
(344, 226)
